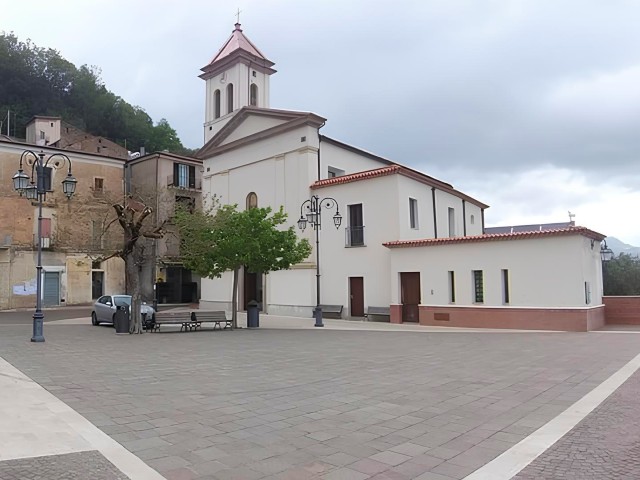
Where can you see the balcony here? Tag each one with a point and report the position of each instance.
(354, 236)
(195, 185)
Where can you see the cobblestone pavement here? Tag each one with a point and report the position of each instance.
(300, 404)
(605, 445)
(72, 466)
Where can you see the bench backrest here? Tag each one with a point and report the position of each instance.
(215, 316)
(378, 311)
(331, 308)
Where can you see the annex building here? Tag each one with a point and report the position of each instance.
(408, 242)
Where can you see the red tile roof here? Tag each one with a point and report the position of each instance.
(396, 169)
(427, 242)
(354, 177)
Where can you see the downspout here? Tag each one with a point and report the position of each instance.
(464, 217)
(319, 141)
(435, 222)
(482, 212)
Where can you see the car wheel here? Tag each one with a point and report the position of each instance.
(94, 319)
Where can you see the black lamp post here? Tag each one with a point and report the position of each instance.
(34, 188)
(314, 218)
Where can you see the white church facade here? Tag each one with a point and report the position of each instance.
(407, 242)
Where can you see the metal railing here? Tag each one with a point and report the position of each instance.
(172, 183)
(354, 236)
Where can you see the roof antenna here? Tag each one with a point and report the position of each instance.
(571, 217)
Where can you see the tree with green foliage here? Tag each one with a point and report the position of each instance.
(38, 81)
(225, 239)
(621, 275)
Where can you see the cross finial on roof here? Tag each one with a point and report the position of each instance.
(238, 16)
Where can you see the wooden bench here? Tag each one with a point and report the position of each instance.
(173, 318)
(331, 311)
(378, 312)
(217, 318)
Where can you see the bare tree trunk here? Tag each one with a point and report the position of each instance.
(133, 289)
(234, 300)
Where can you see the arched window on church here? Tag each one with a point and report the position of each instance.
(254, 95)
(230, 98)
(216, 103)
(252, 200)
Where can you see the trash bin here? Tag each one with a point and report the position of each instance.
(121, 319)
(253, 314)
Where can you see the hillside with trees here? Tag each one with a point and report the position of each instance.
(39, 81)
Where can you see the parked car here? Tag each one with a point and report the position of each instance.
(104, 310)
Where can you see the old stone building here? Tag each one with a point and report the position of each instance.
(73, 230)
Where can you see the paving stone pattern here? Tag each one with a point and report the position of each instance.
(71, 466)
(605, 445)
(326, 404)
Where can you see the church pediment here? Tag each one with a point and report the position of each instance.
(251, 124)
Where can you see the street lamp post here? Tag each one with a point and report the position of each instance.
(314, 218)
(33, 187)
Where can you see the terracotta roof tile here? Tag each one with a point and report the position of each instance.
(354, 177)
(427, 242)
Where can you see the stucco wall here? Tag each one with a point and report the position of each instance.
(543, 272)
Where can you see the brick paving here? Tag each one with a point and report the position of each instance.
(72, 466)
(605, 445)
(327, 404)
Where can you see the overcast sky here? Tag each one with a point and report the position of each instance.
(531, 106)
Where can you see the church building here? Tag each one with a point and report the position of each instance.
(408, 245)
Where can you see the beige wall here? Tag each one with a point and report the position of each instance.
(71, 247)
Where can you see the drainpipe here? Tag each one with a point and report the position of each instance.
(319, 141)
(482, 212)
(464, 218)
(435, 222)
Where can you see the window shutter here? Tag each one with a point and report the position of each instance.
(192, 176)
(175, 174)
(46, 179)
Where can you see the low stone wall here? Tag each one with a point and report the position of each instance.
(622, 310)
(557, 319)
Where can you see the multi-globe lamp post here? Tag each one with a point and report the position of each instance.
(34, 187)
(313, 216)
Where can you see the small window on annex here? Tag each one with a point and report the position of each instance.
(478, 286)
(252, 200)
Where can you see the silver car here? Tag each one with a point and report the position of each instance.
(104, 310)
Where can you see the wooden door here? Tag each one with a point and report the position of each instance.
(250, 287)
(410, 295)
(356, 299)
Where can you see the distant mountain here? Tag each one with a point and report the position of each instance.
(619, 247)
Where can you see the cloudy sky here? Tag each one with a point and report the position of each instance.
(532, 106)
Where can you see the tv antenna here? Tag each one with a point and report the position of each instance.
(571, 217)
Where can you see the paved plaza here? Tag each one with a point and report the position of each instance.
(340, 403)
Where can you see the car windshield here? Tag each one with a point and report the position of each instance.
(122, 301)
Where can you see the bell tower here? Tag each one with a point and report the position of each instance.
(236, 77)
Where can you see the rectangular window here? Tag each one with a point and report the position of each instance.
(184, 176)
(452, 287)
(478, 286)
(98, 184)
(355, 230)
(41, 135)
(413, 213)
(452, 222)
(46, 178)
(505, 287)
(333, 172)
(587, 292)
